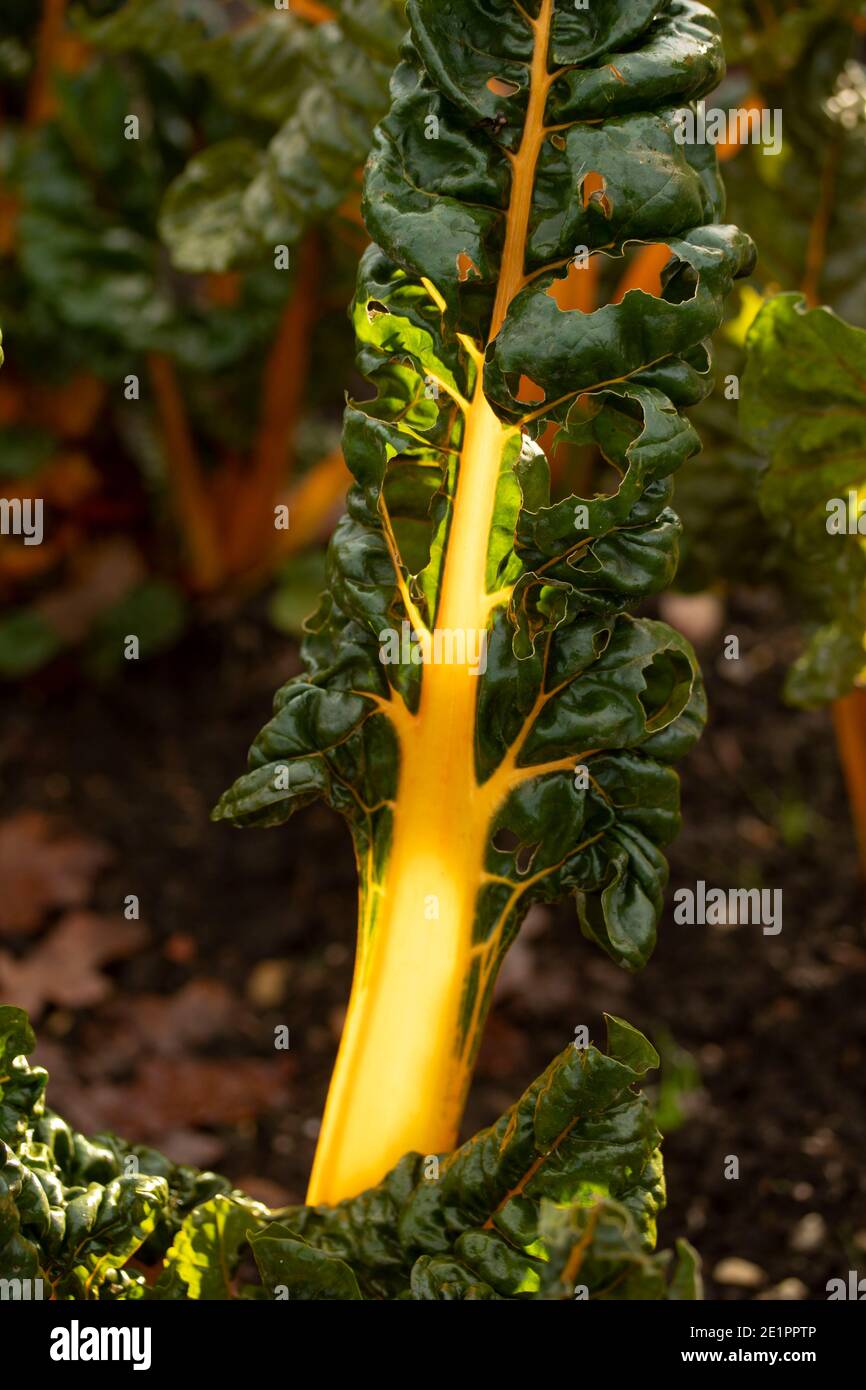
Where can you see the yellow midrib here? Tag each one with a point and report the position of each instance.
(400, 1081)
(463, 593)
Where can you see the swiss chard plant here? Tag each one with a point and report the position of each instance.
(479, 700)
(479, 703)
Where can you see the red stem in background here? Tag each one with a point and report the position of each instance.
(192, 504)
(39, 97)
(284, 384)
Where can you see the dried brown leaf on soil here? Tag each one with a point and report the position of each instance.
(65, 966)
(167, 1095)
(131, 1026)
(44, 866)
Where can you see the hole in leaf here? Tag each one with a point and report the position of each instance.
(668, 682)
(577, 289)
(466, 267)
(505, 840)
(593, 190)
(643, 271)
(409, 490)
(529, 392)
(601, 640)
(502, 87)
(558, 141)
(375, 309)
(524, 857)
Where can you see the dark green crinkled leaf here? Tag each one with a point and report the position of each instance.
(506, 1215)
(290, 1268)
(574, 353)
(73, 1210)
(562, 1191)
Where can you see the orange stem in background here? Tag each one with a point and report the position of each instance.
(579, 289)
(312, 11)
(40, 98)
(729, 149)
(283, 386)
(350, 208)
(816, 250)
(849, 718)
(644, 273)
(191, 501)
(224, 289)
(312, 499)
(10, 207)
(72, 409)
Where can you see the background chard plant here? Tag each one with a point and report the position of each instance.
(128, 257)
(516, 139)
(755, 508)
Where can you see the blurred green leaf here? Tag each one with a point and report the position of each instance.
(815, 457)
(27, 643)
(155, 612)
(296, 593)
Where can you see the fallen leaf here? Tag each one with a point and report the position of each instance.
(44, 866)
(809, 1234)
(64, 968)
(166, 1025)
(168, 1095)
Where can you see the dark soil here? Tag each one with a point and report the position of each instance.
(774, 1026)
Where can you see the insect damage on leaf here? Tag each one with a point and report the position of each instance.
(517, 746)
